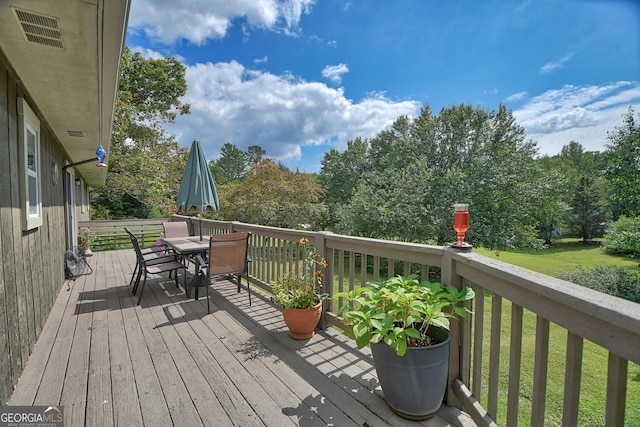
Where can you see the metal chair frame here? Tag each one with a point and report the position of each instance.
(152, 265)
(228, 257)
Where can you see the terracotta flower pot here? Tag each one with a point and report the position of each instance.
(302, 321)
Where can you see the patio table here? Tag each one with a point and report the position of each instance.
(188, 247)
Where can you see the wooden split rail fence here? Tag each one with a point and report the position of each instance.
(111, 234)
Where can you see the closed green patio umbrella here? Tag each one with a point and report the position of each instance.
(197, 189)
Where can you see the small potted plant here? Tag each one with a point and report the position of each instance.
(299, 293)
(85, 239)
(407, 323)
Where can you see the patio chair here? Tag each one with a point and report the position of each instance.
(151, 253)
(175, 229)
(228, 257)
(152, 265)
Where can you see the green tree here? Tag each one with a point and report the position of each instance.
(231, 165)
(418, 168)
(589, 209)
(623, 166)
(386, 205)
(585, 191)
(255, 153)
(274, 196)
(145, 163)
(339, 173)
(152, 88)
(623, 238)
(547, 203)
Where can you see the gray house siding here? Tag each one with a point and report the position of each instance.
(31, 262)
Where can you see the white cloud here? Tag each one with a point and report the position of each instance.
(200, 20)
(559, 63)
(577, 113)
(280, 113)
(292, 10)
(148, 53)
(517, 97)
(322, 42)
(283, 113)
(335, 72)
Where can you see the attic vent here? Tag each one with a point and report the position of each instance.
(40, 29)
(76, 133)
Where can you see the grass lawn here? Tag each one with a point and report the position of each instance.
(559, 258)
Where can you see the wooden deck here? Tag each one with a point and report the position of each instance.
(167, 362)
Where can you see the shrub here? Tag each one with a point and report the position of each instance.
(621, 282)
(623, 237)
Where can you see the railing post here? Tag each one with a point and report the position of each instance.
(327, 274)
(233, 226)
(457, 356)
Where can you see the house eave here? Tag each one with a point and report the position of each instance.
(70, 72)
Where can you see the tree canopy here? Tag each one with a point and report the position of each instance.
(402, 183)
(145, 163)
(406, 179)
(623, 166)
(272, 195)
(233, 163)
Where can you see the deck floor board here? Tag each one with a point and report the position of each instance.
(165, 362)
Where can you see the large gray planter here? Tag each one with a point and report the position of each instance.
(414, 384)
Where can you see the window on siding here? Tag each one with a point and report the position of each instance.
(30, 155)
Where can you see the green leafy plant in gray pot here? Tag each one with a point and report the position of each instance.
(407, 323)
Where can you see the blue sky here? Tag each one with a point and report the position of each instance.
(298, 77)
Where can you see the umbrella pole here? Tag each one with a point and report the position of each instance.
(200, 219)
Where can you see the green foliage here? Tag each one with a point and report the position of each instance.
(547, 203)
(274, 196)
(255, 154)
(617, 281)
(152, 88)
(576, 201)
(99, 211)
(85, 238)
(380, 207)
(400, 184)
(623, 237)
(399, 311)
(302, 289)
(623, 166)
(145, 163)
(231, 165)
(403, 184)
(590, 209)
(295, 291)
(582, 190)
(340, 172)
